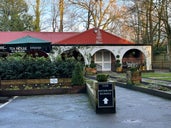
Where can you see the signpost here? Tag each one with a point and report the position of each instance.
(106, 97)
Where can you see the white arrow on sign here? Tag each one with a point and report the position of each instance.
(105, 100)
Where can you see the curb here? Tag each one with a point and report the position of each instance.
(9, 101)
(146, 90)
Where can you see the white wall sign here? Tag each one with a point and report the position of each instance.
(53, 80)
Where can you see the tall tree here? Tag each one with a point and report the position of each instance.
(14, 16)
(98, 11)
(147, 23)
(37, 14)
(38, 8)
(54, 14)
(166, 16)
(61, 10)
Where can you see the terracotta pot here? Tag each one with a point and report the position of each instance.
(119, 69)
(91, 70)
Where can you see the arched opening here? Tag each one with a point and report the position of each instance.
(104, 60)
(73, 53)
(133, 58)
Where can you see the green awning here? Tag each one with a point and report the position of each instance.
(27, 40)
(28, 43)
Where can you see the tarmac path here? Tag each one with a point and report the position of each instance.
(134, 110)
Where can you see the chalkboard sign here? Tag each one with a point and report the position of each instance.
(105, 95)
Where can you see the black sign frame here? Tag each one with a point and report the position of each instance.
(105, 95)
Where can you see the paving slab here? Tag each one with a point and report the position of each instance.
(134, 110)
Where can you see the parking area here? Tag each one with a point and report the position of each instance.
(133, 110)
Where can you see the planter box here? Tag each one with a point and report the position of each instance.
(154, 92)
(35, 82)
(26, 87)
(133, 77)
(70, 90)
(90, 70)
(32, 81)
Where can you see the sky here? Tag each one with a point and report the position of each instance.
(46, 11)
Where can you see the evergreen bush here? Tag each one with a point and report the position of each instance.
(35, 68)
(64, 68)
(92, 64)
(77, 76)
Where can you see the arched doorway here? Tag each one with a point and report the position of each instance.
(133, 58)
(73, 53)
(104, 60)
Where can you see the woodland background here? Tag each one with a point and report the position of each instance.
(141, 21)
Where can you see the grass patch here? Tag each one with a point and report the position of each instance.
(157, 75)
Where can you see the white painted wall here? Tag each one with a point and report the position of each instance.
(88, 51)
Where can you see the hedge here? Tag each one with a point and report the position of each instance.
(34, 68)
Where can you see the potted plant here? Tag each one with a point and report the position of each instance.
(118, 64)
(134, 76)
(91, 69)
(143, 66)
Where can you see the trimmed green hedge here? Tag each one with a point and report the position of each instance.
(34, 68)
(102, 77)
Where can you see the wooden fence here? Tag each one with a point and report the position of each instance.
(161, 65)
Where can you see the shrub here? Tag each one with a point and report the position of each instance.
(64, 69)
(92, 65)
(102, 77)
(35, 68)
(117, 56)
(118, 64)
(77, 76)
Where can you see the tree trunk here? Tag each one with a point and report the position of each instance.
(37, 12)
(88, 16)
(61, 10)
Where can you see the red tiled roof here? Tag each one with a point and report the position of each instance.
(90, 37)
(49, 36)
(94, 36)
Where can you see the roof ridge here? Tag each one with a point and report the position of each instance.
(99, 39)
(73, 36)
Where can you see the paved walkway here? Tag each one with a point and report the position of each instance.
(148, 80)
(134, 110)
(157, 82)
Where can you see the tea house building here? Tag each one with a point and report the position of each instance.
(95, 45)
